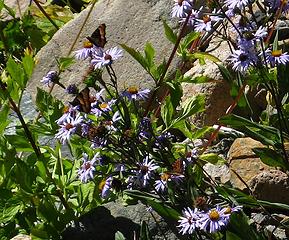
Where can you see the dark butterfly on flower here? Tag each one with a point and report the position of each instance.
(96, 131)
(98, 36)
(83, 100)
(178, 166)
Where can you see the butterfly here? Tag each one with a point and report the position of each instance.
(98, 36)
(83, 100)
(178, 166)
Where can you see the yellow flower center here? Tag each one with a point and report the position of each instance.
(101, 185)
(276, 53)
(165, 177)
(132, 90)
(65, 109)
(206, 18)
(228, 210)
(87, 44)
(103, 105)
(214, 215)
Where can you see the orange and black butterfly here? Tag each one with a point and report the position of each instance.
(98, 36)
(83, 100)
(178, 166)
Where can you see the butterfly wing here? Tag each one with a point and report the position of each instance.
(82, 100)
(98, 36)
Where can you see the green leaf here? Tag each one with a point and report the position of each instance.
(149, 54)
(271, 157)
(65, 62)
(171, 36)
(199, 79)
(188, 39)
(136, 55)
(10, 10)
(167, 111)
(212, 158)
(119, 236)
(265, 134)
(275, 43)
(191, 106)
(21, 143)
(239, 225)
(28, 65)
(16, 72)
(144, 232)
(225, 73)
(203, 55)
(5, 109)
(231, 236)
(50, 108)
(164, 210)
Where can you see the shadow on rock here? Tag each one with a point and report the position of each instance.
(100, 224)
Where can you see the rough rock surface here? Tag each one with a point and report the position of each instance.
(19, 6)
(271, 186)
(21, 237)
(130, 23)
(104, 221)
(216, 90)
(244, 162)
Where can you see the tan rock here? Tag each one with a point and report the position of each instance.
(271, 186)
(21, 237)
(244, 162)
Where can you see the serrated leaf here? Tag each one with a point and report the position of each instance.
(171, 36)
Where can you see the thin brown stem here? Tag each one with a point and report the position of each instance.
(160, 81)
(45, 14)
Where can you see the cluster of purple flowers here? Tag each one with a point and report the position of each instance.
(248, 52)
(210, 221)
(99, 57)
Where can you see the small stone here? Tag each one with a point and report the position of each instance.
(272, 186)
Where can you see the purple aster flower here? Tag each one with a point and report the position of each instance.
(242, 60)
(162, 184)
(194, 15)
(102, 58)
(189, 221)
(68, 127)
(213, 220)
(72, 89)
(68, 112)
(227, 211)
(86, 170)
(86, 52)
(145, 172)
(192, 156)
(232, 4)
(99, 108)
(105, 187)
(206, 22)
(134, 93)
(276, 57)
(261, 33)
(181, 8)
(51, 77)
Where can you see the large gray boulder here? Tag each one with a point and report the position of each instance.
(130, 22)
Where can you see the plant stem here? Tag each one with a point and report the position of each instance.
(32, 142)
(160, 81)
(45, 14)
